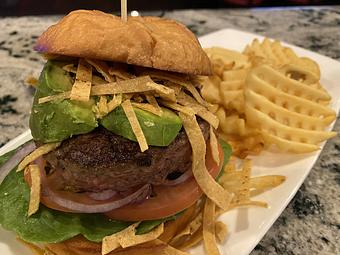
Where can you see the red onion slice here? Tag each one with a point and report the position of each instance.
(10, 164)
(80, 207)
(103, 195)
(185, 176)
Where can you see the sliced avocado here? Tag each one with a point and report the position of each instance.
(158, 130)
(58, 120)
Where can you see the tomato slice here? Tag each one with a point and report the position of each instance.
(168, 200)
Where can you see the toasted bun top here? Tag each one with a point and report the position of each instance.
(145, 41)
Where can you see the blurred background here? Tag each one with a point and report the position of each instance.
(35, 7)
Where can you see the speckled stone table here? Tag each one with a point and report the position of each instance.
(311, 222)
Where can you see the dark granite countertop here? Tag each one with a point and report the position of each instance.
(311, 222)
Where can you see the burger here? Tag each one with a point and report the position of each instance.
(121, 136)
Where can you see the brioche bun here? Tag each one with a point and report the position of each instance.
(144, 41)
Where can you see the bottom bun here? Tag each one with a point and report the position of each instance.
(80, 246)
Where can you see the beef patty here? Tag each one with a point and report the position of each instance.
(102, 160)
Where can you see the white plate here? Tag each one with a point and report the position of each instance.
(248, 225)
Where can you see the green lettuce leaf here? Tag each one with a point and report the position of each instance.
(148, 225)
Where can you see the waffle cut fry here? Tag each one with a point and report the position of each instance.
(275, 54)
(286, 111)
(302, 75)
(268, 95)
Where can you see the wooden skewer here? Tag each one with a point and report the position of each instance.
(123, 10)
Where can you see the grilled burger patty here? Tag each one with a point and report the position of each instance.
(102, 160)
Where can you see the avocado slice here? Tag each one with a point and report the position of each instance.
(158, 130)
(58, 120)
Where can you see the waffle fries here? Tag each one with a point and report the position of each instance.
(268, 96)
(295, 124)
(273, 53)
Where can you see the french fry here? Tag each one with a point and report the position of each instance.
(261, 184)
